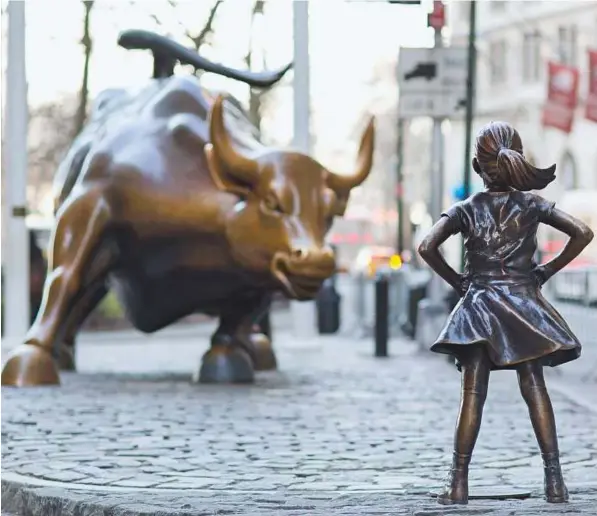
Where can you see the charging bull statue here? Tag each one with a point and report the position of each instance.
(169, 198)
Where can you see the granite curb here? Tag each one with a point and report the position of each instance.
(50, 500)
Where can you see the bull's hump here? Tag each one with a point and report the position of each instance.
(180, 95)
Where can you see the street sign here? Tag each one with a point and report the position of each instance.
(432, 82)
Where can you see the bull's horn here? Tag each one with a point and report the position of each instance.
(343, 183)
(237, 165)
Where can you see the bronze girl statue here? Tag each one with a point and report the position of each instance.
(502, 320)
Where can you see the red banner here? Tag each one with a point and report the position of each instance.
(437, 18)
(562, 97)
(591, 112)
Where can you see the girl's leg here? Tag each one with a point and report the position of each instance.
(534, 392)
(475, 378)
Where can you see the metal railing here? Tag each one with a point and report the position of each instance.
(403, 284)
(574, 285)
(572, 292)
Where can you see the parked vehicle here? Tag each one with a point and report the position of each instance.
(371, 258)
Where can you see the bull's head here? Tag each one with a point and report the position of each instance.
(288, 202)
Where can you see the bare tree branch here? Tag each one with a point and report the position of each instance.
(255, 96)
(50, 136)
(87, 43)
(207, 29)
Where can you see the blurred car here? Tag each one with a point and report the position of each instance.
(370, 259)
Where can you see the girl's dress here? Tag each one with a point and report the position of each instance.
(504, 309)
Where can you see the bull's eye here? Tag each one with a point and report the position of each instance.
(272, 203)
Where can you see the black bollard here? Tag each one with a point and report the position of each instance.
(382, 314)
(328, 308)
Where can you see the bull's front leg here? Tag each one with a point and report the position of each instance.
(90, 299)
(235, 351)
(261, 340)
(77, 260)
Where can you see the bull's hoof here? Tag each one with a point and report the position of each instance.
(28, 366)
(66, 359)
(265, 358)
(226, 364)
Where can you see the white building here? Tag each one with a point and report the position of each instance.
(515, 41)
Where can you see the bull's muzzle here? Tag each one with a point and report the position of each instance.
(302, 271)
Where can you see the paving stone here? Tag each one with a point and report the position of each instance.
(138, 481)
(64, 476)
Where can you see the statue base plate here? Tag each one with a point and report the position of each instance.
(493, 493)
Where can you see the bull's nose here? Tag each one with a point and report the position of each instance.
(315, 256)
(306, 253)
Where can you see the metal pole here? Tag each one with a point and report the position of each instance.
(400, 187)
(15, 303)
(437, 186)
(432, 311)
(470, 98)
(303, 313)
(382, 312)
(302, 122)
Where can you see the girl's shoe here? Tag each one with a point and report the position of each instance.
(555, 488)
(456, 491)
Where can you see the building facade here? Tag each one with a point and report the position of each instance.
(515, 42)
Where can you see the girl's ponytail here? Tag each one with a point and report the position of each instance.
(516, 171)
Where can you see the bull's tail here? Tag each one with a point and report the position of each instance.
(165, 49)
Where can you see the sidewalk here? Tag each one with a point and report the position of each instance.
(335, 431)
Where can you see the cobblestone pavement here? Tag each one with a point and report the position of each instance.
(335, 431)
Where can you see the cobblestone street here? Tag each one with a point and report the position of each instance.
(335, 431)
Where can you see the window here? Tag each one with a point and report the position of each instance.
(568, 44)
(497, 60)
(531, 56)
(498, 6)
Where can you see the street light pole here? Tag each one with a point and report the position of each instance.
(303, 313)
(437, 183)
(470, 98)
(433, 310)
(400, 187)
(15, 304)
(302, 106)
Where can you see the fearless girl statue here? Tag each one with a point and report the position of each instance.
(502, 320)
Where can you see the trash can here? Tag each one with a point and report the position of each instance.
(328, 308)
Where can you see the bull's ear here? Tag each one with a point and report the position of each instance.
(223, 180)
(339, 206)
(336, 204)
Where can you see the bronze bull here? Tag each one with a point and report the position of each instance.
(169, 198)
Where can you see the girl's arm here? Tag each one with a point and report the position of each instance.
(580, 235)
(429, 251)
